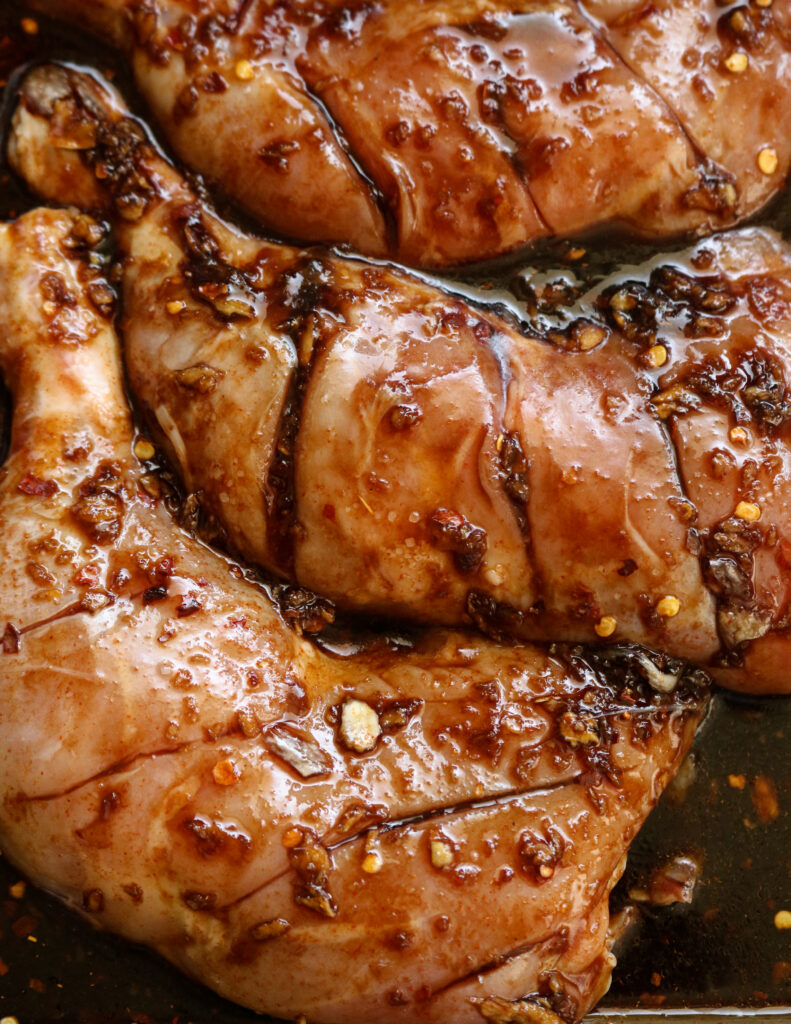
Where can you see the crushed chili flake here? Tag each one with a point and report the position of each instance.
(36, 487)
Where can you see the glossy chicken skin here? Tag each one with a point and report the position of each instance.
(307, 833)
(453, 131)
(364, 434)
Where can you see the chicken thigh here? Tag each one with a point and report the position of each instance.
(426, 833)
(452, 131)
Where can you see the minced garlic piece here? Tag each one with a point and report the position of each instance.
(441, 853)
(783, 920)
(495, 576)
(739, 435)
(748, 511)
(175, 306)
(668, 607)
(657, 355)
(360, 728)
(590, 336)
(737, 62)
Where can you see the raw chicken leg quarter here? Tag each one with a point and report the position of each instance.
(424, 834)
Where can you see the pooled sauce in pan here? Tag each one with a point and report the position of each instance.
(726, 815)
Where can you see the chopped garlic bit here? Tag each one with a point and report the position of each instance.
(441, 853)
(748, 511)
(495, 576)
(591, 336)
(668, 607)
(226, 772)
(29, 26)
(739, 435)
(783, 920)
(360, 728)
(175, 306)
(606, 625)
(737, 62)
(768, 161)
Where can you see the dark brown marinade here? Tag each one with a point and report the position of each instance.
(300, 292)
(450, 531)
(515, 474)
(279, 493)
(619, 686)
(637, 309)
(311, 863)
(211, 279)
(100, 505)
(305, 611)
(752, 386)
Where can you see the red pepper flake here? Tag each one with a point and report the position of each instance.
(189, 604)
(24, 926)
(36, 487)
(329, 512)
(3, 967)
(37, 985)
(87, 576)
(764, 796)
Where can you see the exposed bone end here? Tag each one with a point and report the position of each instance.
(48, 132)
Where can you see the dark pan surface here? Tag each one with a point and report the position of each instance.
(721, 950)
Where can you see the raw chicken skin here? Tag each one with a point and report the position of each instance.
(456, 130)
(422, 834)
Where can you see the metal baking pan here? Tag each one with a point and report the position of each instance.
(717, 958)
